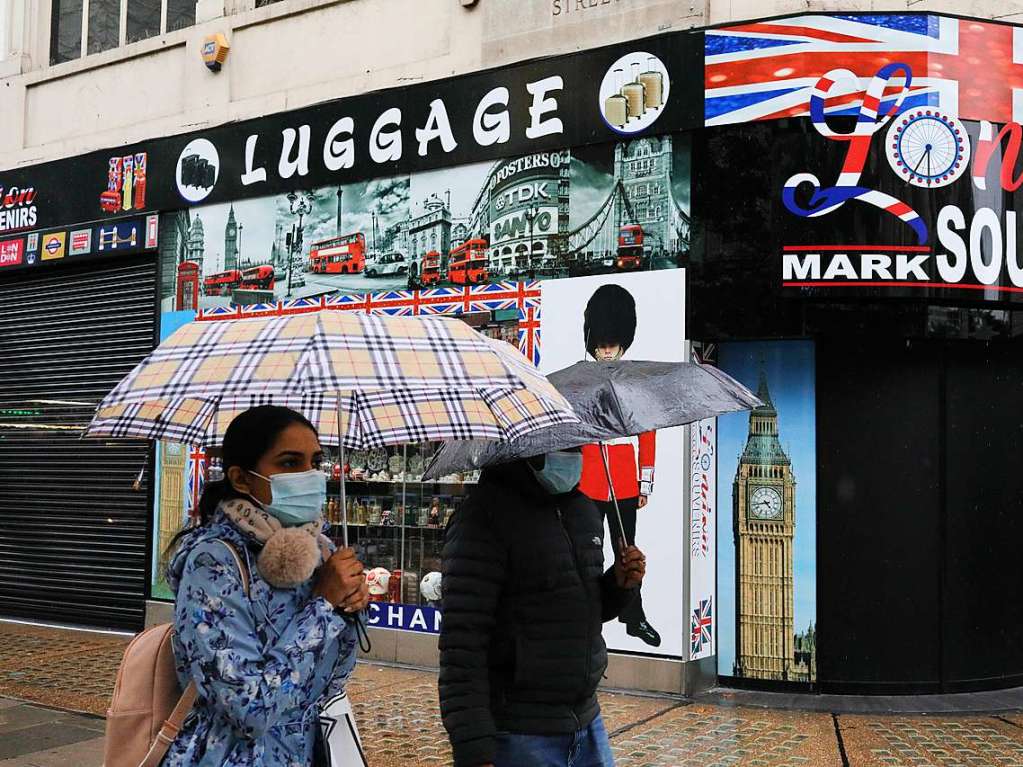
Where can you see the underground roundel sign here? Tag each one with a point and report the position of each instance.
(927, 148)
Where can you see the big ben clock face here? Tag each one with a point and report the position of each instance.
(765, 503)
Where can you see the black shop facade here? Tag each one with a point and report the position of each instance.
(866, 280)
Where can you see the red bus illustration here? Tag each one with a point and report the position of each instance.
(258, 278)
(339, 255)
(431, 269)
(468, 263)
(222, 283)
(630, 247)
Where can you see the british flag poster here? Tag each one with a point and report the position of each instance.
(768, 69)
(701, 633)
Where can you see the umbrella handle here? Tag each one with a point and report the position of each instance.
(614, 499)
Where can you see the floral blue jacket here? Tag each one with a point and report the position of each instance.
(261, 663)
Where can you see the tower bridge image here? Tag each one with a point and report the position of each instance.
(523, 211)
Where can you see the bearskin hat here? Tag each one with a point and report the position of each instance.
(609, 319)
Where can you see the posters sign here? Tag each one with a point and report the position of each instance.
(619, 207)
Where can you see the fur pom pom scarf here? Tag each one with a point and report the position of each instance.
(290, 555)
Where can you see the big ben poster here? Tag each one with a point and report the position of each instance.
(767, 549)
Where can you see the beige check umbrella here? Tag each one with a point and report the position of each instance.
(363, 380)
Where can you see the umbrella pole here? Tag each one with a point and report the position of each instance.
(618, 513)
(404, 516)
(341, 459)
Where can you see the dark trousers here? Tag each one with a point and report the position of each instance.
(628, 507)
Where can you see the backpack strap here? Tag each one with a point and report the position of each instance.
(170, 729)
(238, 560)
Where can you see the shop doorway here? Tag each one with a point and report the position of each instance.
(73, 521)
(920, 515)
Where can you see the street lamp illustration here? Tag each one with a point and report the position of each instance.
(301, 205)
(530, 214)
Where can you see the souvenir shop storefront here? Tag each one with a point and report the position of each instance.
(842, 242)
(505, 198)
(512, 199)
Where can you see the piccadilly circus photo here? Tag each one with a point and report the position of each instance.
(511, 383)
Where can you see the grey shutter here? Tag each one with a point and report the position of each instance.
(73, 532)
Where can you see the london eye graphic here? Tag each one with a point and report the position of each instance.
(927, 148)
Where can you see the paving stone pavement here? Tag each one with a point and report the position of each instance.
(710, 737)
(987, 741)
(398, 714)
(65, 669)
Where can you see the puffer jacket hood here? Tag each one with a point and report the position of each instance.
(220, 527)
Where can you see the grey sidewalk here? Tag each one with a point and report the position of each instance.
(33, 736)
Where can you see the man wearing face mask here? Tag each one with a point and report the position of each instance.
(525, 596)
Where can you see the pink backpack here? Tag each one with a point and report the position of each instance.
(148, 708)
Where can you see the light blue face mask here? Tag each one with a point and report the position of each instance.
(561, 472)
(297, 498)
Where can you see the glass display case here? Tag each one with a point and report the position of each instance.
(395, 520)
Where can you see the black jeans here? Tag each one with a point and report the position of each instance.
(628, 507)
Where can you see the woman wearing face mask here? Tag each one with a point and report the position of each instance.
(525, 594)
(262, 662)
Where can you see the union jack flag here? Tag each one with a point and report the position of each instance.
(529, 334)
(703, 626)
(494, 296)
(767, 69)
(196, 472)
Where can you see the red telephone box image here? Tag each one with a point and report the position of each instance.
(187, 296)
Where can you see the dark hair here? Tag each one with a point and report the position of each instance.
(609, 318)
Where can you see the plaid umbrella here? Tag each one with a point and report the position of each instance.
(363, 380)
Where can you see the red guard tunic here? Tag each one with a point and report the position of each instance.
(628, 480)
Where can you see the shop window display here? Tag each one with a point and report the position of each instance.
(395, 521)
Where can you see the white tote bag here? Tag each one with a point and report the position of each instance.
(341, 742)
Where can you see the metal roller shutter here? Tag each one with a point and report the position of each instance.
(73, 531)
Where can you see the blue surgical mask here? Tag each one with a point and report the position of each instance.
(561, 472)
(297, 498)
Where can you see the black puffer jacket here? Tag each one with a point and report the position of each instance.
(525, 594)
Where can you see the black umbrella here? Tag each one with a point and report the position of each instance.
(612, 400)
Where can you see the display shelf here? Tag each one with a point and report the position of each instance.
(385, 527)
(398, 482)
